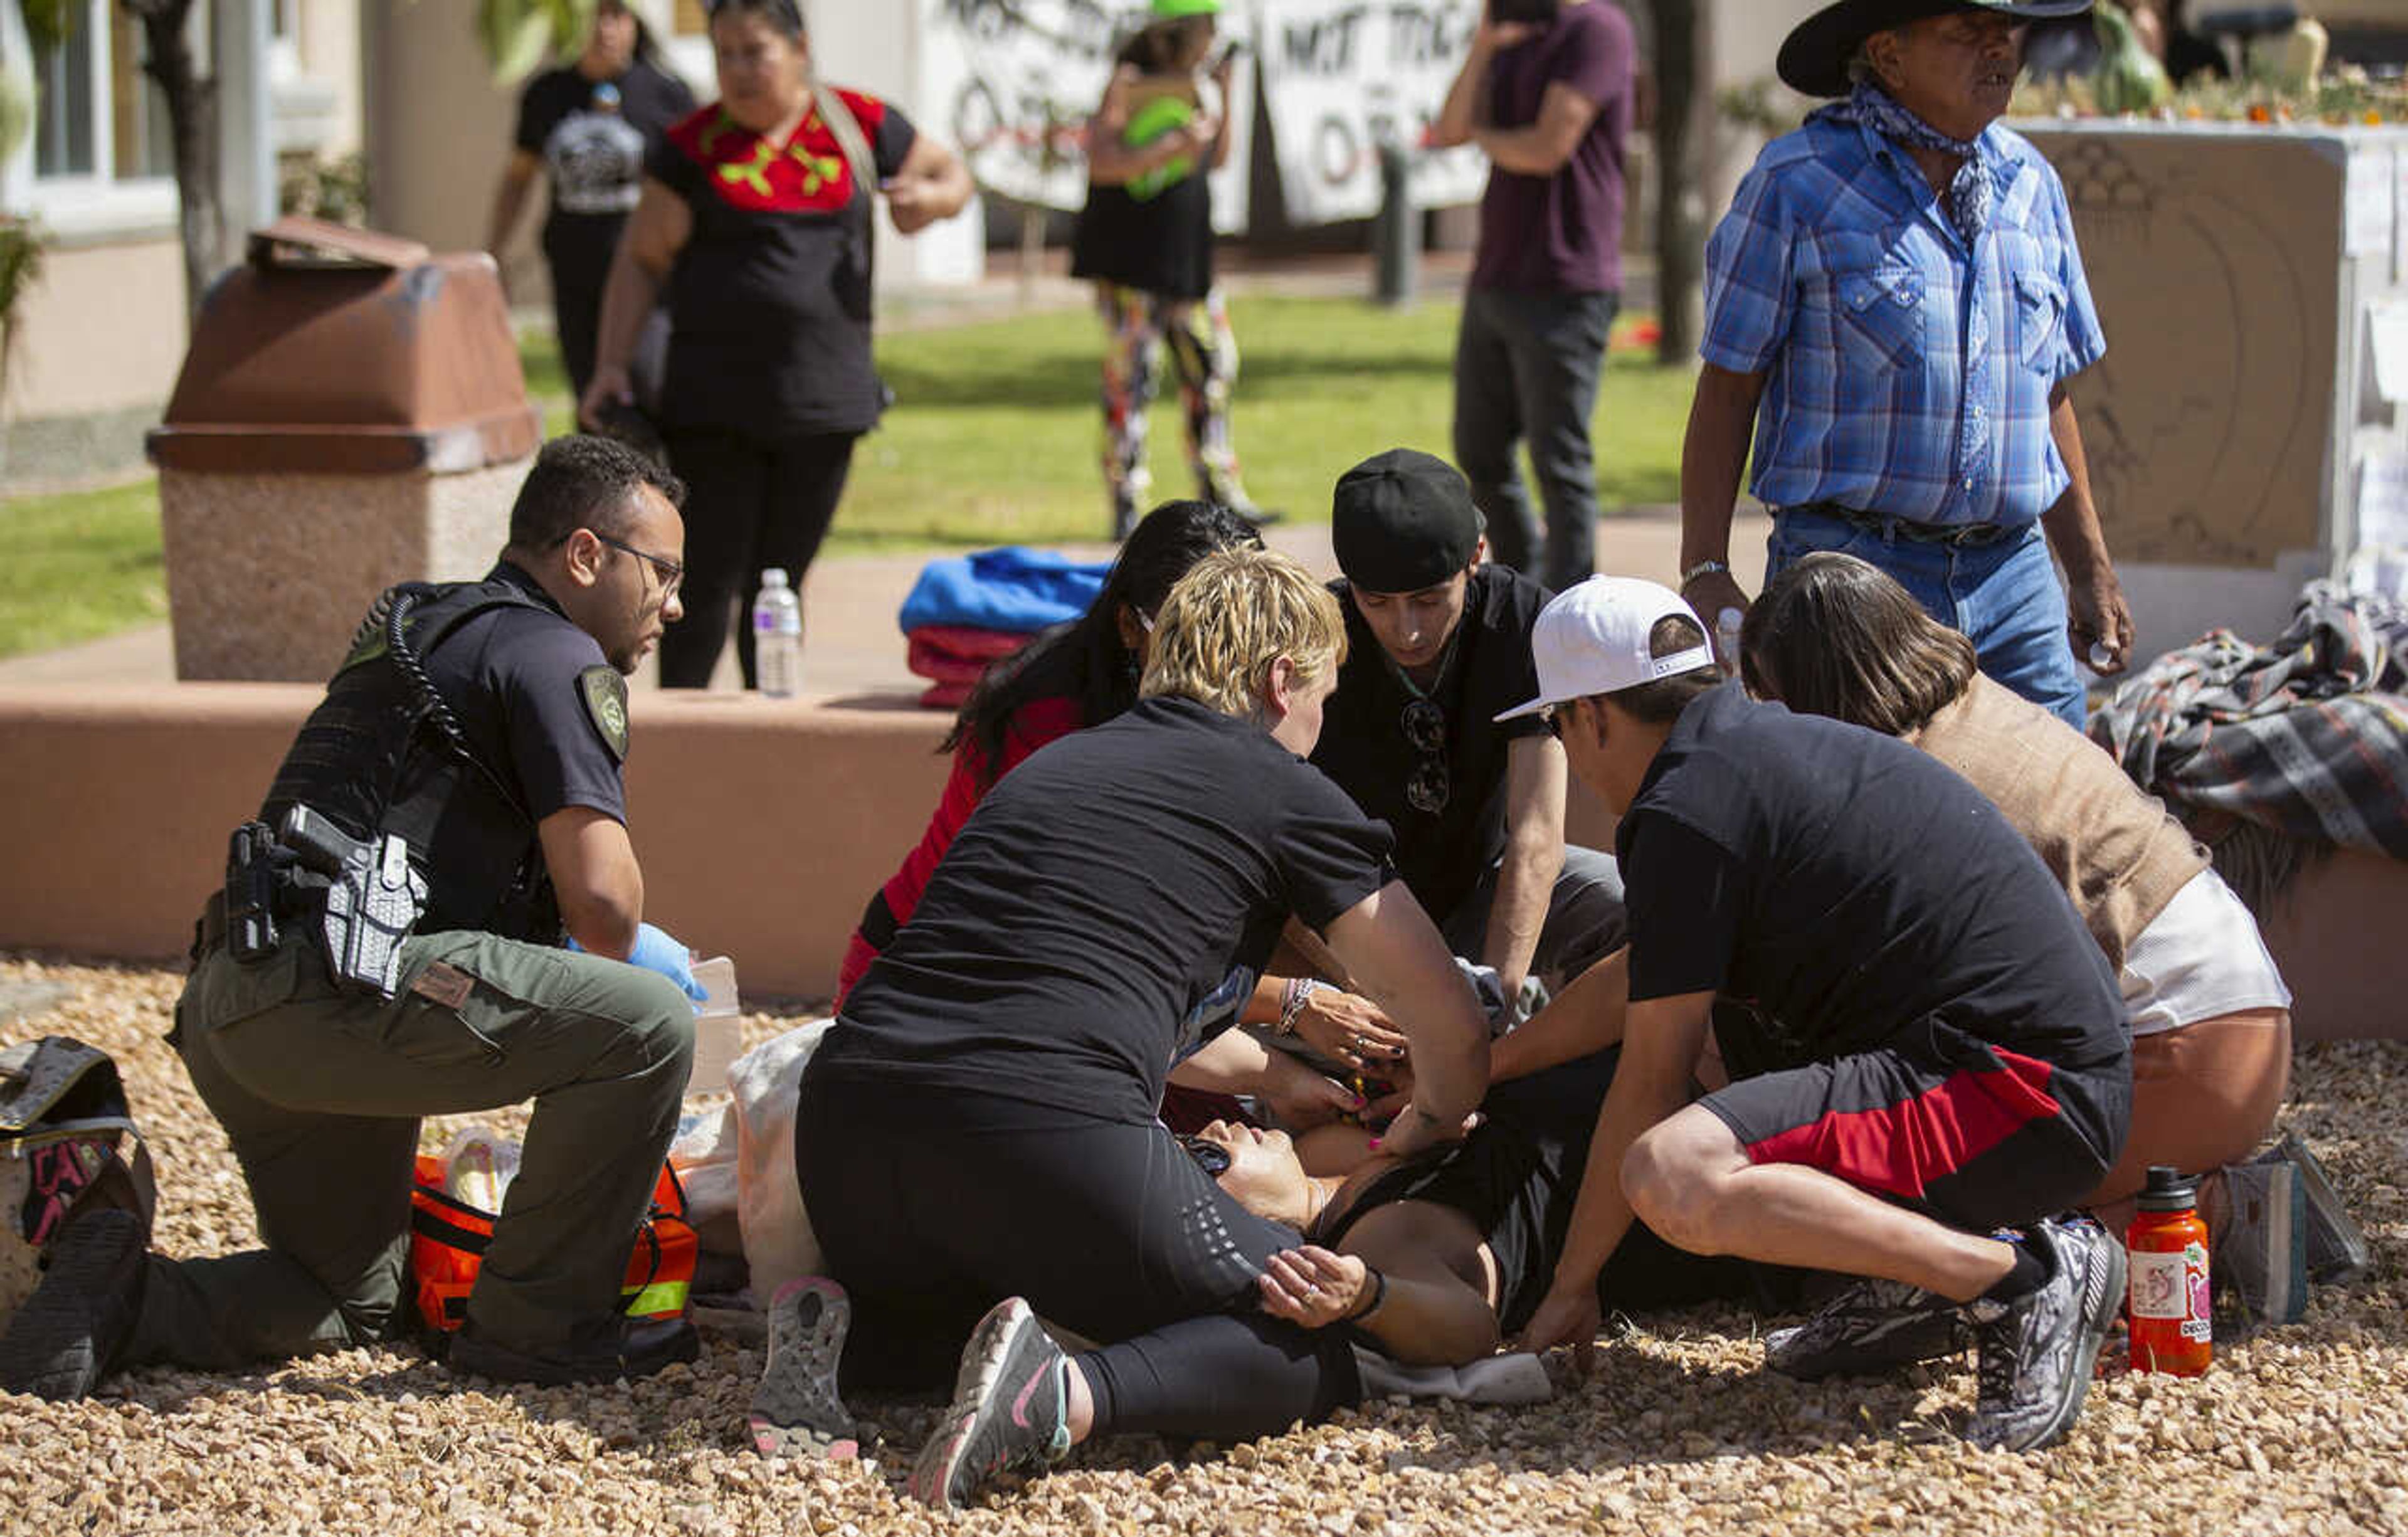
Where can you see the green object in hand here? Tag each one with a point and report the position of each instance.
(1146, 125)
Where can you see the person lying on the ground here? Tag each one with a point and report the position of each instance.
(1414, 1263)
(979, 1122)
(1083, 674)
(1942, 1050)
(2210, 1016)
(1442, 1256)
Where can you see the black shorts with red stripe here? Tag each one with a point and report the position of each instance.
(1958, 1128)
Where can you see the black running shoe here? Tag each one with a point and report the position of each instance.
(1010, 1410)
(1870, 1327)
(795, 1409)
(604, 1352)
(2038, 1351)
(72, 1330)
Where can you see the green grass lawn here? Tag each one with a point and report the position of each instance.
(993, 440)
(81, 565)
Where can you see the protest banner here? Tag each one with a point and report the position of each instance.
(1011, 83)
(1341, 77)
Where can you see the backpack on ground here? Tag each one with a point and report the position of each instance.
(448, 1238)
(68, 1144)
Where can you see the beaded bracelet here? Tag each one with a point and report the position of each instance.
(1298, 993)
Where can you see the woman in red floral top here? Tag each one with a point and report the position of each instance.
(755, 221)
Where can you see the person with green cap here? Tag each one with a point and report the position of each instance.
(1895, 304)
(1145, 238)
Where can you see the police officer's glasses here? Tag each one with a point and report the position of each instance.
(671, 572)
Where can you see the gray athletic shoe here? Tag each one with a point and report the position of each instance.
(1870, 1326)
(797, 1411)
(1010, 1410)
(2038, 1351)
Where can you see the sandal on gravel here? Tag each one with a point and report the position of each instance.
(795, 1409)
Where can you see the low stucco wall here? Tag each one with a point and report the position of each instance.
(763, 827)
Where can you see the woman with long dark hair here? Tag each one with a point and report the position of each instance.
(755, 222)
(1081, 674)
(1145, 238)
(2210, 1018)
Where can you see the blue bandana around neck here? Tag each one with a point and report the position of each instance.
(1970, 195)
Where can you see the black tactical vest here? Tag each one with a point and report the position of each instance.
(381, 754)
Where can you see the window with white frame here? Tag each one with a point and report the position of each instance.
(102, 146)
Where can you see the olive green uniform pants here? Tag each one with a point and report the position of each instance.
(321, 1092)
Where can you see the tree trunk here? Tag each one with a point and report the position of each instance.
(1683, 137)
(192, 126)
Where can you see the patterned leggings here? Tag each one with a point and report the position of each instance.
(1204, 351)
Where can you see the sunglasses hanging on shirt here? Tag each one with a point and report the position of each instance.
(1429, 787)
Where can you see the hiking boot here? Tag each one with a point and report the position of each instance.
(73, 1329)
(795, 1409)
(596, 1353)
(1868, 1327)
(1010, 1410)
(2038, 1350)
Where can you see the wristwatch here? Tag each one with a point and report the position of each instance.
(1704, 568)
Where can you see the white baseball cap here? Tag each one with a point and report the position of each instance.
(1593, 639)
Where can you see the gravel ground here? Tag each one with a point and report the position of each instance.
(1679, 1430)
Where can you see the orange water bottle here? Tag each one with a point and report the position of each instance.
(2166, 1249)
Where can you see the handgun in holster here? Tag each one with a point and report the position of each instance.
(373, 899)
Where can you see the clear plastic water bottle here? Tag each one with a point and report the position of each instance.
(777, 636)
(1727, 628)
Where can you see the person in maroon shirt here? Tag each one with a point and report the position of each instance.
(1546, 94)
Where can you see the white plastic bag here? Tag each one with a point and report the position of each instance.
(779, 1244)
(704, 1157)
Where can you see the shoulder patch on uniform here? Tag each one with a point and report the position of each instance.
(606, 701)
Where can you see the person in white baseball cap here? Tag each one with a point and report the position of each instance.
(1927, 1048)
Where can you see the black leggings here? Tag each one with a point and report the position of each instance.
(750, 505)
(934, 1205)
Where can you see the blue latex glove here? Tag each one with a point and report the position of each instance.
(658, 950)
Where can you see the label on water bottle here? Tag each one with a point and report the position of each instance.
(2159, 1287)
(765, 620)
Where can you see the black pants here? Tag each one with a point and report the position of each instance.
(1525, 369)
(932, 1207)
(751, 504)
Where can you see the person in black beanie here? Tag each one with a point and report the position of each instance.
(1438, 642)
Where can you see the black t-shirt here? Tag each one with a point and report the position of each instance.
(1098, 892)
(594, 159)
(1851, 889)
(1364, 745)
(771, 297)
(516, 677)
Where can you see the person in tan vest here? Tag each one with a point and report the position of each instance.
(2210, 1017)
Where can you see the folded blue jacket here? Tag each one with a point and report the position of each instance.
(1013, 589)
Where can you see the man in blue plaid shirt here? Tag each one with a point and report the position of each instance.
(1895, 303)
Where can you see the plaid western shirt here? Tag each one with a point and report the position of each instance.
(1905, 374)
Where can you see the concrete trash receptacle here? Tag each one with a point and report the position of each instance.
(351, 414)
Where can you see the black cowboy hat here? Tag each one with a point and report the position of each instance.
(1814, 58)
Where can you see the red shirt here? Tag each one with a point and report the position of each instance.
(1031, 726)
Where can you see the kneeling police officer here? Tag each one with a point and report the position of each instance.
(390, 946)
